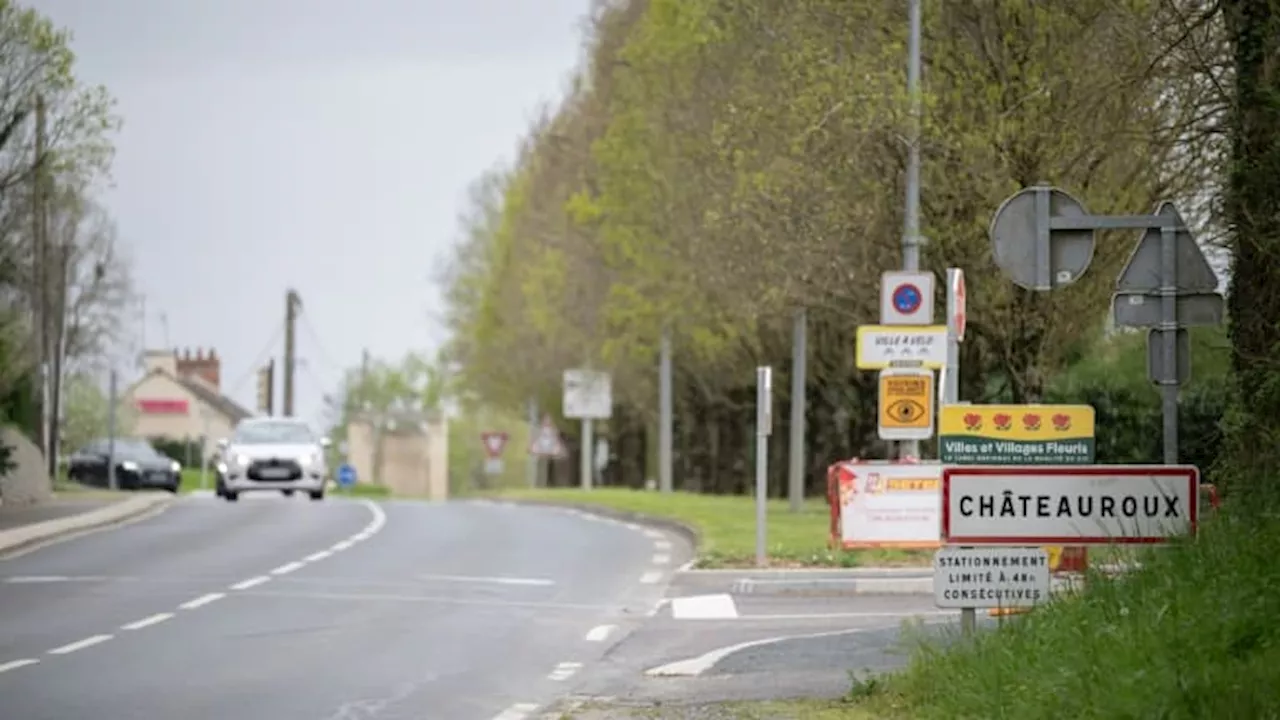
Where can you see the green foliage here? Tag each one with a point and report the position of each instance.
(87, 413)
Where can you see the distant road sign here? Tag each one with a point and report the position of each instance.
(494, 443)
(1141, 274)
(346, 475)
(493, 466)
(1032, 255)
(588, 395)
(990, 577)
(882, 346)
(906, 297)
(546, 441)
(1016, 435)
(906, 404)
(1068, 505)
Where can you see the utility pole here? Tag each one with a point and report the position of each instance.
(41, 272)
(292, 304)
(796, 454)
(112, 411)
(666, 414)
(911, 239)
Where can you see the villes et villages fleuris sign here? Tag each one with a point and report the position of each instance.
(1016, 435)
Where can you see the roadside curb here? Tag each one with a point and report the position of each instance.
(687, 532)
(23, 537)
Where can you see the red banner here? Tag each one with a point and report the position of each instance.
(161, 406)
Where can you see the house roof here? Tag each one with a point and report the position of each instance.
(233, 410)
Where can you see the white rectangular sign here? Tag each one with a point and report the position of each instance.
(990, 577)
(1068, 505)
(588, 395)
(882, 346)
(889, 505)
(906, 297)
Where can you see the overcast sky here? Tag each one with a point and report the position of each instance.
(323, 145)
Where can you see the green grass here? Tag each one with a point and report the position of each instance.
(1193, 634)
(727, 525)
(757, 710)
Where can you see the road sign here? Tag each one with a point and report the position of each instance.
(906, 297)
(1143, 309)
(1155, 357)
(1141, 274)
(1028, 251)
(906, 404)
(886, 504)
(494, 443)
(346, 475)
(1066, 505)
(990, 577)
(493, 466)
(882, 346)
(957, 307)
(546, 441)
(1016, 435)
(588, 395)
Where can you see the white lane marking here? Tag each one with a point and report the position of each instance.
(651, 577)
(519, 711)
(662, 545)
(542, 582)
(656, 535)
(202, 601)
(704, 607)
(662, 602)
(695, 666)
(251, 582)
(340, 546)
(24, 579)
(15, 664)
(147, 622)
(600, 632)
(315, 557)
(80, 644)
(286, 568)
(661, 559)
(564, 671)
(687, 566)
(360, 536)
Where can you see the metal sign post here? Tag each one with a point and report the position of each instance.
(588, 396)
(764, 427)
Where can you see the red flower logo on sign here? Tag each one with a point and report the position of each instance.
(1003, 421)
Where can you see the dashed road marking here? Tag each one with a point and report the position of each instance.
(314, 557)
(661, 559)
(80, 644)
(600, 632)
(651, 577)
(147, 621)
(251, 582)
(663, 545)
(656, 535)
(340, 546)
(15, 664)
(519, 711)
(202, 601)
(286, 568)
(564, 671)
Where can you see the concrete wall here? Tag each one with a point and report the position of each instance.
(414, 458)
(27, 483)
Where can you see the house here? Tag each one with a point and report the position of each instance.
(180, 398)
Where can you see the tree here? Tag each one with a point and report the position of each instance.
(87, 412)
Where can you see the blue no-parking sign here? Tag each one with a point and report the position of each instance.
(346, 475)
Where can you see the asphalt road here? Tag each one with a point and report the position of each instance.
(340, 610)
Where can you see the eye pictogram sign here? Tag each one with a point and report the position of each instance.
(906, 404)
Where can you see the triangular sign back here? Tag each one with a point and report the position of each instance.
(546, 442)
(1142, 273)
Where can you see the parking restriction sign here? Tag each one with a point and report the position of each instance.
(906, 404)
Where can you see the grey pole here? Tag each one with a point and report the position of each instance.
(764, 423)
(911, 220)
(799, 356)
(111, 431)
(531, 465)
(587, 442)
(1169, 337)
(951, 376)
(666, 414)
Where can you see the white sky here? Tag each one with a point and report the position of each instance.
(317, 144)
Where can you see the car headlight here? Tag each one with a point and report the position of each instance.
(175, 466)
(240, 459)
(129, 465)
(221, 467)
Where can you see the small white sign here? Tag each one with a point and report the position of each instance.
(990, 577)
(906, 297)
(882, 346)
(1068, 505)
(546, 441)
(588, 395)
(493, 466)
(888, 504)
(957, 302)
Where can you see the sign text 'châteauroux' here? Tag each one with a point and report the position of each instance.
(1070, 505)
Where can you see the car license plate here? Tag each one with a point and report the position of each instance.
(274, 473)
(158, 476)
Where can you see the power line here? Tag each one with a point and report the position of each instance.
(257, 362)
(325, 356)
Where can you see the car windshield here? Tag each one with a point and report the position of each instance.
(261, 433)
(127, 448)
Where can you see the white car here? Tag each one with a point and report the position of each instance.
(272, 453)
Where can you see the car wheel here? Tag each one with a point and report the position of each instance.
(230, 496)
(316, 494)
(173, 489)
(287, 493)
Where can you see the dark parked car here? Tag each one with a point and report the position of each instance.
(139, 466)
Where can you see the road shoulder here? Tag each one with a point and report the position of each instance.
(96, 517)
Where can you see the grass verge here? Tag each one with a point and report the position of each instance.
(1192, 634)
(727, 524)
(766, 710)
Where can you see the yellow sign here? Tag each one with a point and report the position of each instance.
(906, 404)
(1016, 434)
